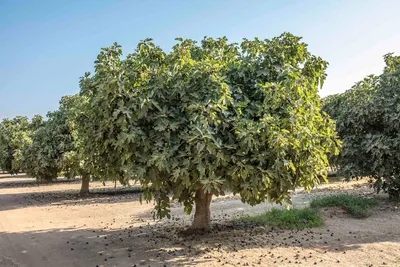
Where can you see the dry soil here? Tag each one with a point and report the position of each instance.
(49, 225)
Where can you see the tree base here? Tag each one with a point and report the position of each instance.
(202, 215)
(84, 194)
(194, 232)
(85, 185)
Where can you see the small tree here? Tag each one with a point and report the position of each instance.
(205, 119)
(55, 145)
(49, 142)
(73, 162)
(14, 135)
(368, 123)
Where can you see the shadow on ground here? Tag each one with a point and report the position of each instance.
(6, 175)
(69, 197)
(147, 243)
(162, 244)
(31, 182)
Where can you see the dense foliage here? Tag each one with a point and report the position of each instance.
(42, 157)
(204, 119)
(70, 161)
(74, 162)
(14, 135)
(55, 146)
(368, 123)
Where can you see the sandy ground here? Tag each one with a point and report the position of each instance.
(49, 225)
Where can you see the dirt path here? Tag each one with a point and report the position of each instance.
(49, 225)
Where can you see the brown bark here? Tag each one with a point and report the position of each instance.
(202, 214)
(85, 185)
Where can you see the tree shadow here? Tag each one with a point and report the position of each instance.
(31, 182)
(69, 197)
(162, 244)
(21, 181)
(150, 243)
(7, 175)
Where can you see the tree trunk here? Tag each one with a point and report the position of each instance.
(202, 215)
(85, 184)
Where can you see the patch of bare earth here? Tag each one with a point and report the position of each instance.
(49, 225)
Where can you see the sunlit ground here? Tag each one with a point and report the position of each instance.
(49, 225)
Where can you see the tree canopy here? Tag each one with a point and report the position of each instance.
(368, 123)
(54, 148)
(42, 157)
(206, 118)
(74, 161)
(14, 135)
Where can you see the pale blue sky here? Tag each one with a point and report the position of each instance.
(47, 45)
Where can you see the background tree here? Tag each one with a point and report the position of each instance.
(55, 148)
(208, 118)
(36, 122)
(50, 141)
(14, 134)
(73, 162)
(368, 123)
